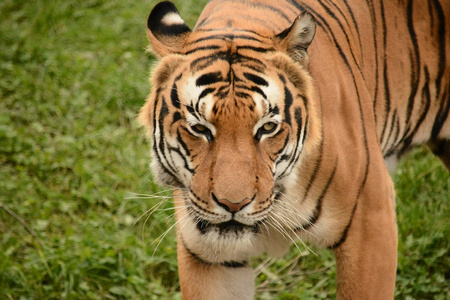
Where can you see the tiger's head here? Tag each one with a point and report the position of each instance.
(230, 118)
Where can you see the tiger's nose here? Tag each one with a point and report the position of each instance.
(232, 207)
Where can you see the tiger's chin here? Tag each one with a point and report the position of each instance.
(230, 242)
(221, 243)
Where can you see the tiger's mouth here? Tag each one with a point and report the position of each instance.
(228, 228)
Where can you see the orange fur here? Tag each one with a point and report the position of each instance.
(364, 90)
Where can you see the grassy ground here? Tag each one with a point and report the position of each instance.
(73, 164)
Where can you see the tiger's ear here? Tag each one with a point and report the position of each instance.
(166, 30)
(296, 39)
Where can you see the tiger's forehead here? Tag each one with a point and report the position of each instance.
(229, 91)
(228, 74)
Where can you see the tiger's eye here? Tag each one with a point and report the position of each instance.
(269, 126)
(199, 128)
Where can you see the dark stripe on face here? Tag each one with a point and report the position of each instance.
(256, 79)
(253, 89)
(182, 143)
(256, 49)
(305, 128)
(174, 96)
(296, 154)
(183, 157)
(225, 37)
(176, 117)
(209, 78)
(287, 100)
(229, 57)
(274, 110)
(284, 145)
(204, 48)
(193, 111)
(300, 129)
(160, 147)
(206, 92)
(259, 91)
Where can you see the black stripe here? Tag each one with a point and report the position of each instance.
(295, 155)
(176, 117)
(183, 157)
(387, 94)
(363, 128)
(305, 128)
(414, 61)
(224, 37)
(209, 78)
(206, 92)
(256, 79)
(316, 167)
(274, 110)
(414, 85)
(442, 115)
(284, 145)
(174, 93)
(375, 46)
(267, 23)
(256, 49)
(198, 258)
(160, 147)
(173, 180)
(234, 264)
(355, 23)
(322, 22)
(344, 32)
(442, 40)
(318, 208)
(391, 128)
(259, 91)
(257, 6)
(231, 58)
(345, 232)
(204, 48)
(182, 143)
(407, 141)
(443, 112)
(288, 100)
(227, 264)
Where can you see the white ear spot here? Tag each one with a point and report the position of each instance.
(172, 19)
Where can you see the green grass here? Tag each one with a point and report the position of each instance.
(73, 75)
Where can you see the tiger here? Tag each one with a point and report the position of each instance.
(278, 121)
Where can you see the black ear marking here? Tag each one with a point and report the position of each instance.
(165, 20)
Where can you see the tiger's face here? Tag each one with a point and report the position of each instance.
(228, 129)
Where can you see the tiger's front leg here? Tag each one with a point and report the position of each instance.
(200, 280)
(367, 260)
